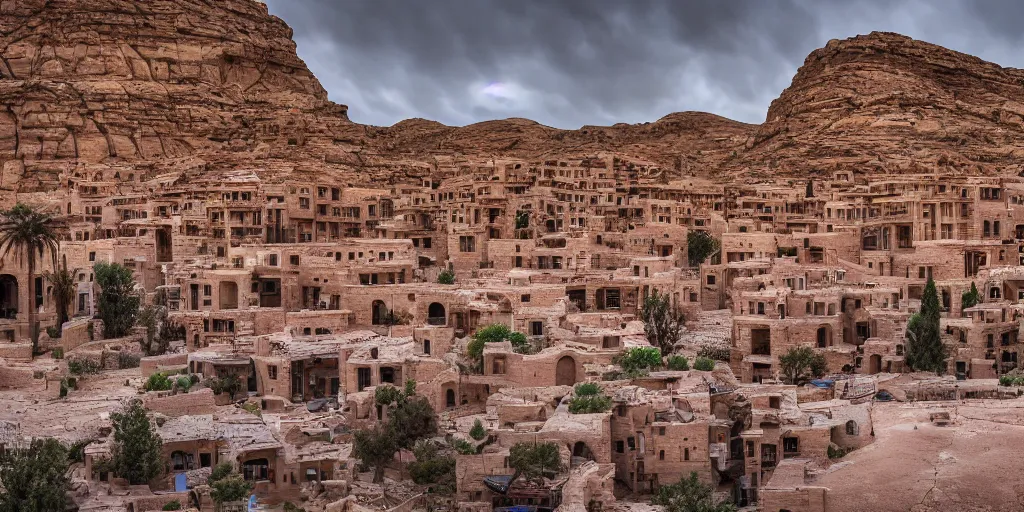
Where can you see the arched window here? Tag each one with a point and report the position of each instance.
(852, 428)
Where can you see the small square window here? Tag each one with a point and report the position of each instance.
(524, 298)
(92, 256)
(294, 259)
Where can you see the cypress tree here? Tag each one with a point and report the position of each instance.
(925, 351)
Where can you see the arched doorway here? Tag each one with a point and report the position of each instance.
(449, 398)
(874, 364)
(436, 314)
(824, 336)
(8, 297)
(580, 449)
(565, 371)
(379, 312)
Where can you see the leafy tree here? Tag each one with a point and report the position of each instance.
(35, 479)
(700, 245)
(678, 363)
(662, 323)
(446, 277)
(970, 298)
(495, 333)
(478, 431)
(63, 289)
(801, 364)
(410, 387)
(118, 303)
(588, 399)
(136, 448)
(412, 420)
(160, 330)
(533, 461)
(375, 448)
(925, 351)
(229, 489)
(387, 395)
(220, 471)
(690, 495)
(640, 360)
(433, 468)
(704, 364)
(29, 233)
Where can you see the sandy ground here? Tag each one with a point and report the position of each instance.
(975, 464)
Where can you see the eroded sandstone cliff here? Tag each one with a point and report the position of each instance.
(186, 86)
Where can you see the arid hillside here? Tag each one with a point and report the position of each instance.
(183, 87)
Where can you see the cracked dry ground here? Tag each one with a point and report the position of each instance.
(974, 465)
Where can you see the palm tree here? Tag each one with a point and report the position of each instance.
(63, 289)
(28, 232)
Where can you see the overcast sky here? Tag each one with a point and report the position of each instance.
(566, 63)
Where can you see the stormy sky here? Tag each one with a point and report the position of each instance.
(567, 63)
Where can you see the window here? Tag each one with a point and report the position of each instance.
(661, 455)
(790, 445)
(272, 260)
(92, 256)
(852, 428)
(207, 290)
(294, 259)
(620, 447)
(272, 372)
(467, 244)
(536, 328)
(661, 431)
(711, 279)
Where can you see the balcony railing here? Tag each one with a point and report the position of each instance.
(436, 320)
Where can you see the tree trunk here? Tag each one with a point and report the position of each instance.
(33, 321)
(378, 474)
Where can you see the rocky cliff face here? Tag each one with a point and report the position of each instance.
(96, 87)
(885, 102)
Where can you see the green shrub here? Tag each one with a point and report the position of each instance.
(174, 505)
(194, 379)
(704, 364)
(184, 383)
(53, 332)
(83, 366)
(57, 353)
(464, 447)
(1009, 380)
(478, 431)
(590, 404)
(495, 333)
(678, 363)
(586, 389)
(63, 389)
(126, 360)
(446, 277)
(638, 361)
(158, 382)
(838, 453)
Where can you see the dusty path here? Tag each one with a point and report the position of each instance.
(976, 464)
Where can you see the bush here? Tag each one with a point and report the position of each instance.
(590, 404)
(253, 408)
(53, 332)
(837, 453)
(83, 366)
(174, 505)
(801, 364)
(704, 364)
(1009, 380)
(229, 489)
(126, 360)
(446, 277)
(464, 447)
(639, 361)
(678, 363)
(57, 353)
(587, 389)
(158, 382)
(495, 333)
(184, 383)
(194, 379)
(478, 431)
(714, 352)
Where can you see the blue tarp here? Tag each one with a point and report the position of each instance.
(822, 383)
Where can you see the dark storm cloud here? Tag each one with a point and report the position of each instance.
(567, 63)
